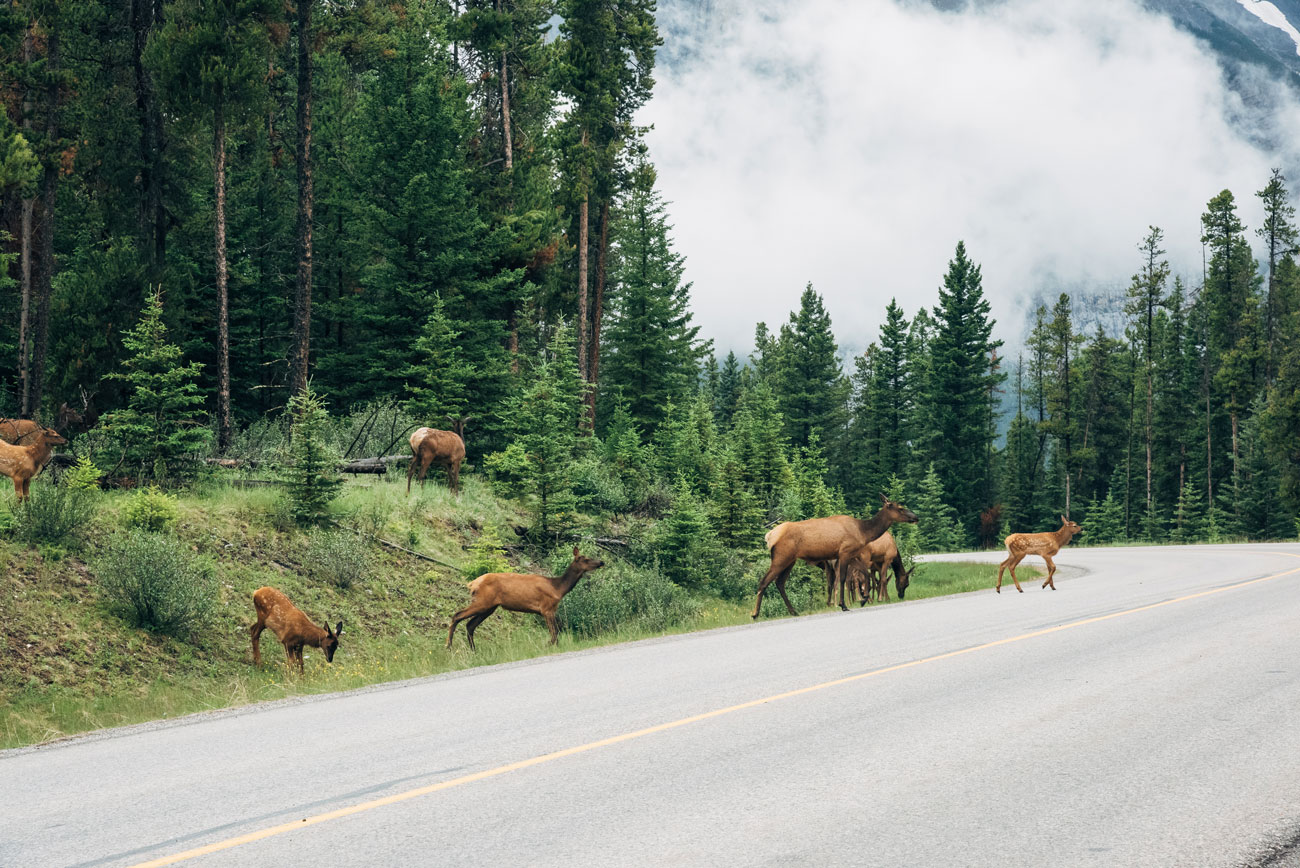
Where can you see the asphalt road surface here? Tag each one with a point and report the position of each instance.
(1146, 713)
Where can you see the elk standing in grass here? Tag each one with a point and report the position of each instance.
(838, 537)
(294, 629)
(429, 445)
(21, 463)
(519, 592)
(881, 556)
(1042, 544)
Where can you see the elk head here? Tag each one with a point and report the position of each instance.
(896, 512)
(586, 565)
(901, 582)
(52, 437)
(1066, 524)
(330, 643)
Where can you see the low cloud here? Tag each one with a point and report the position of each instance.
(851, 143)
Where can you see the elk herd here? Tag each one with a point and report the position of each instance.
(856, 555)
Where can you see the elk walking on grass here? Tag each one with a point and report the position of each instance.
(294, 629)
(429, 446)
(520, 592)
(1019, 545)
(21, 463)
(814, 540)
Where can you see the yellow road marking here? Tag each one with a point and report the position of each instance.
(664, 727)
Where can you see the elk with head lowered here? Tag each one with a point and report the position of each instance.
(430, 446)
(838, 537)
(293, 628)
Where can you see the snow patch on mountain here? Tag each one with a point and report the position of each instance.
(1270, 14)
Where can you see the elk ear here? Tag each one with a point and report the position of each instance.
(1064, 520)
(327, 629)
(338, 631)
(575, 552)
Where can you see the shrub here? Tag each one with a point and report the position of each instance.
(598, 487)
(337, 557)
(156, 583)
(53, 514)
(621, 596)
(507, 469)
(83, 476)
(151, 510)
(486, 555)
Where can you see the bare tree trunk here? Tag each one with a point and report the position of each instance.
(300, 354)
(146, 15)
(224, 426)
(582, 285)
(602, 245)
(48, 195)
(1148, 436)
(506, 137)
(29, 205)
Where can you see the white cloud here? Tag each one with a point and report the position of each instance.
(853, 142)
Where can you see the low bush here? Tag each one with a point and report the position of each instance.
(54, 514)
(338, 557)
(155, 582)
(621, 596)
(150, 509)
(598, 487)
(486, 555)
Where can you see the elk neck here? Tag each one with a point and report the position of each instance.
(877, 523)
(563, 584)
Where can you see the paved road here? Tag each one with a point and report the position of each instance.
(1037, 729)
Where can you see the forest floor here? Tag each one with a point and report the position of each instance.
(71, 663)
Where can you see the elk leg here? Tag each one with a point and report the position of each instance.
(1002, 566)
(829, 568)
(255, 632)
(882, 586)
(467, 612)
(410, 471)
(473, 625)
(1051, 569)
(842, 577)
(772, 572)
(553, 625)
(780, 586)
(1012, 568)
(453, 475)
(424, 469)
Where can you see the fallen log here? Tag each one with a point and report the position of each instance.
(372, 465)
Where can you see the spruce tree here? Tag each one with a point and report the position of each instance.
(1146, 294)
(728, 391)
(437, 382)
(1279, 235)
(937, 527)
(812, 388)
(311, 476)
(685, 546)
(161, 427)
(1188, 522)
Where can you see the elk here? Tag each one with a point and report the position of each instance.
(814, 540)
(294, 629)
(520, 592)
(21, 463)
(1043, 544)
(445, 447)
(18, 432)
(882, 556)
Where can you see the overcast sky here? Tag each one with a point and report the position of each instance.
(851, 143)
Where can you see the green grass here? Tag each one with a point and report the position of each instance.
(71, 664)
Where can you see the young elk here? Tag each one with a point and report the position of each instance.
(1043, 544)
(18, 432)
(429, 445)
(882, 556)
(839, 537)
(294, 629)
(21, 463)
(518, 592)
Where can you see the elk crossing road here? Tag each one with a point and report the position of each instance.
(1145, 713)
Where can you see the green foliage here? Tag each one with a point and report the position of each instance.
(338, 557)
(83, 475)
(161, 428)
(54, 515)
(487, 554)
(1188, 523)
(149, 509)
(620, 596)
(437, 382)
(686, 543)
(937, 527)
(1105, 520)
(155, 582)
(812, 389)
(311, 477)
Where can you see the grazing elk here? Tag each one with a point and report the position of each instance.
(841, 537)
(880, 557)
(21, 463)
(520, 592)
(429, 445)
(294, 629)
(1043, 544)
(18, 432)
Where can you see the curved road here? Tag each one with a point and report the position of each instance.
(1146, 713)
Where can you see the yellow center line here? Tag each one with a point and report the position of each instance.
(273, 831)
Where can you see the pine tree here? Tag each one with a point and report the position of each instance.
(1188, 524)
(1105, 519)
(937, 528)
(728, 390)
(1146, 294)
(812, 388)
(1281, 415)
(1279, 235)
(737, 515)
(437, 382)
(685, 547)
(962, 380)
(311, 476)
(161, 426)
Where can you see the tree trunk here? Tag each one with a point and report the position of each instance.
(582, 285)
(48, 194)
(146, 15)
(224, 427)
(25, 243)
(602, 247)
(300, 354)
(506, 138)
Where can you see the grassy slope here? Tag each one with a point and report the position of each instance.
(70, 664)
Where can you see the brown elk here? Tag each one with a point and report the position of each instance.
(21, 463)
(429, 445)
(294, 629)
(18, 432)
(520, 592)
(1043, 544)
(881, 556)
(841, 537)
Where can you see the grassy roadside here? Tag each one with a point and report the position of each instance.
(72, 664)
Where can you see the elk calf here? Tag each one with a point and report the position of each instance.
(1019, 545)
(294, 629)
(21, 463)
(520, 592)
